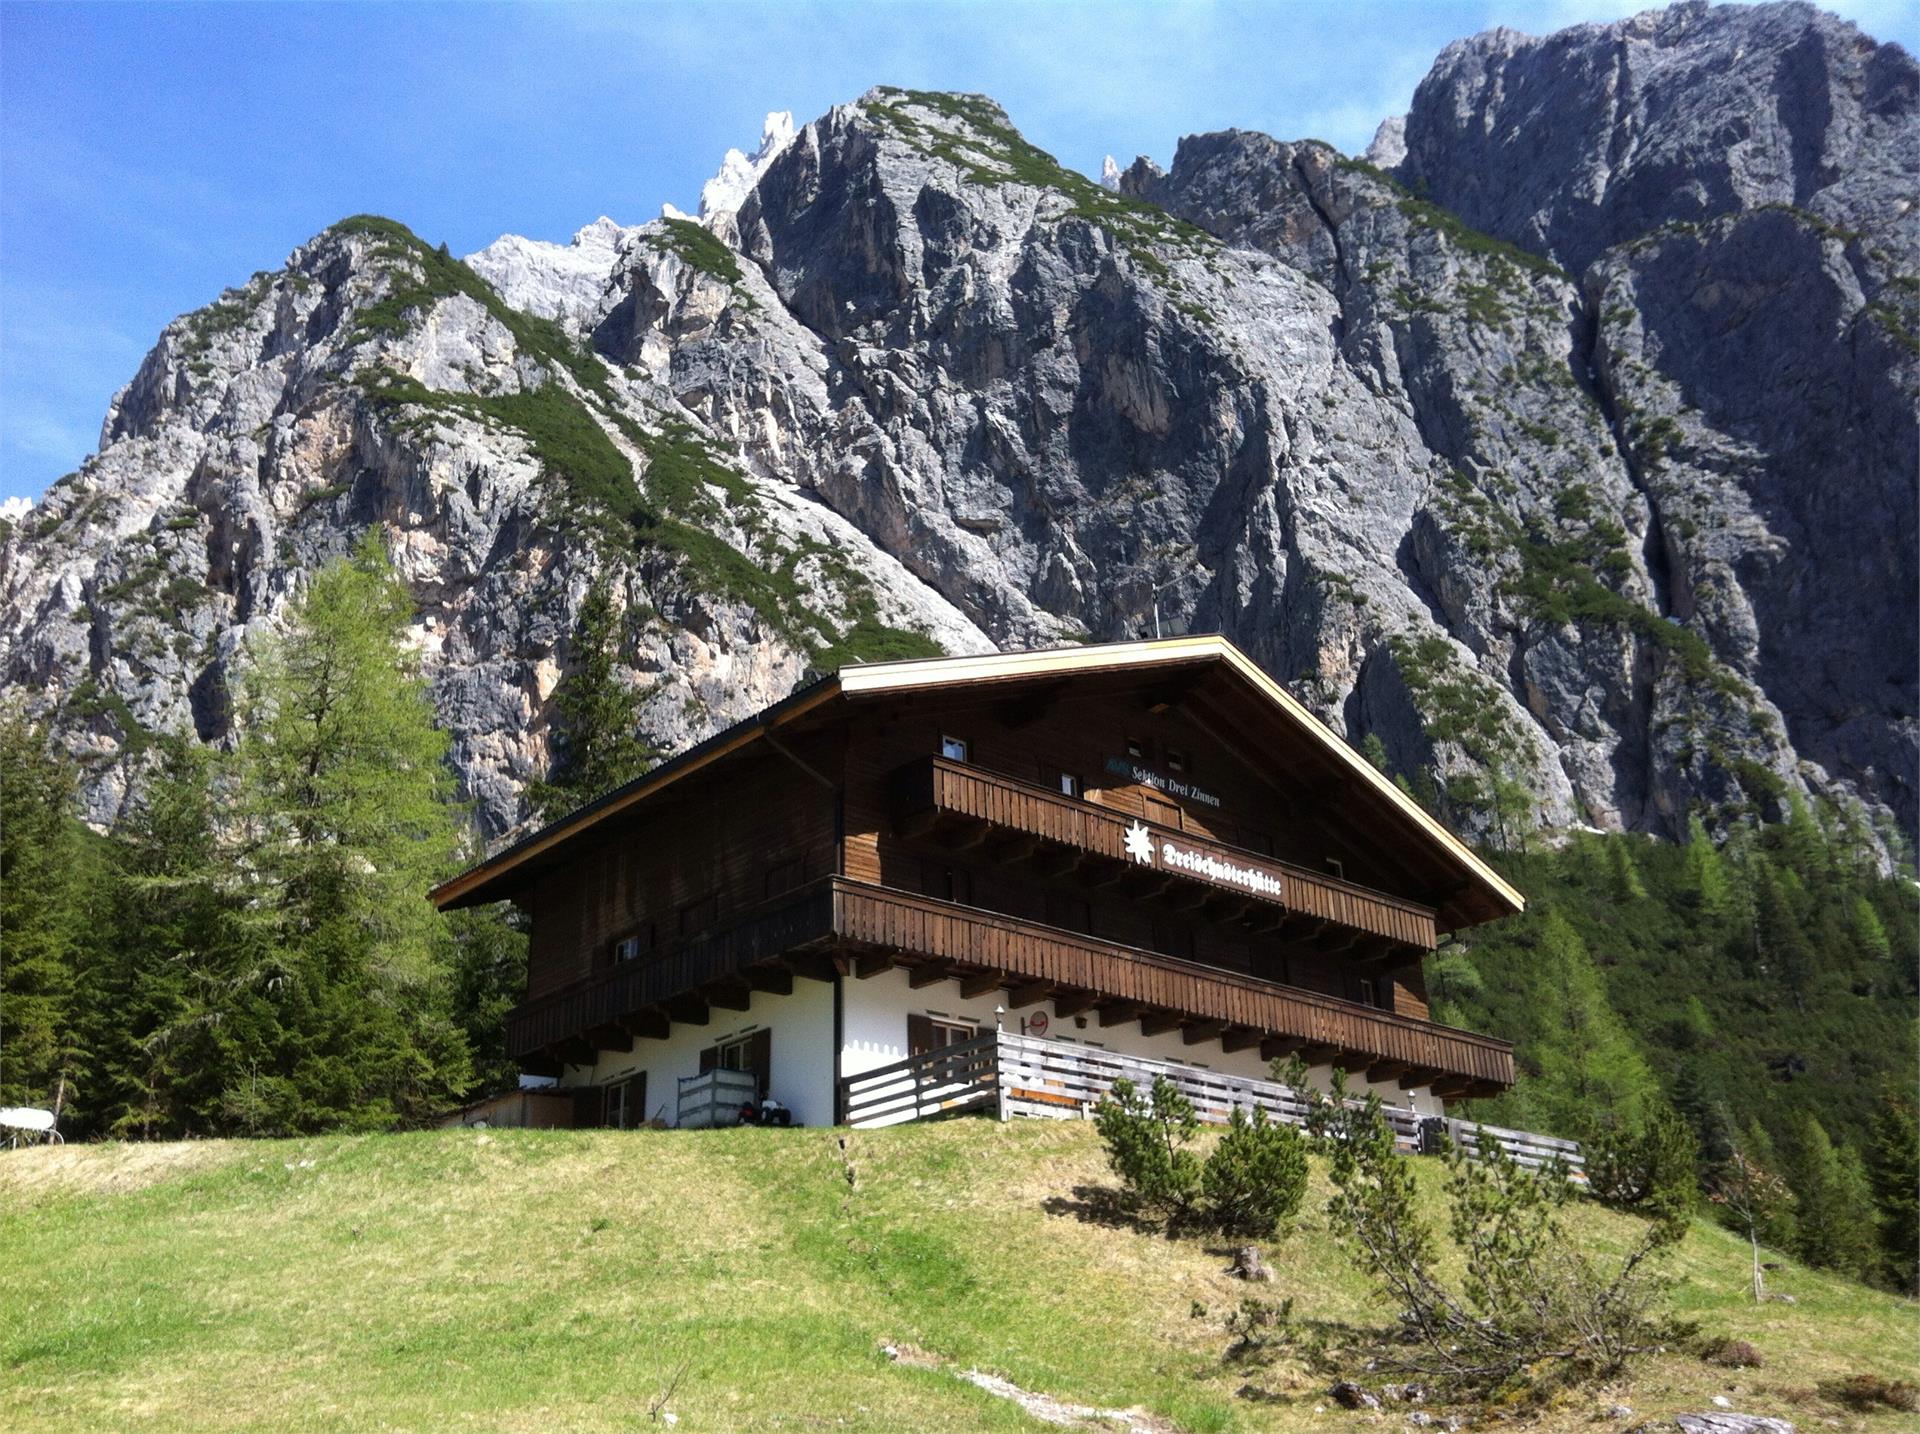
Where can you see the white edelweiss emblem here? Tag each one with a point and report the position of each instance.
(1140, 844)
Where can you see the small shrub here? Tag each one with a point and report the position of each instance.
(1864, 1393)
(1731, 1354)
(1256, 1176)
(1146, 1138)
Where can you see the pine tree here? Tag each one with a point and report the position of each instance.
(598, 742)
(1895, 1168)
(350, 818)
(42, 864)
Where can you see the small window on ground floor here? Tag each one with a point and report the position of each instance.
(626, 1107)
(750, 1052)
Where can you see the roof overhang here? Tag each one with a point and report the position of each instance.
(485, 882)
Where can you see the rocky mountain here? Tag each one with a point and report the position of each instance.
(1567, 447)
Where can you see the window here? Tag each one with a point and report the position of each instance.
(932, 1033)
(1069, 785)
(1337, 867)
(627, 948)
(954, 749)
(1136, 749)
(751, 1052)
(1176, 760)
(626, 1103)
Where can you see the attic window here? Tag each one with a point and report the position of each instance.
(1136, 749)
(1176, 760)
(954, 749)
(1337, 867)
(1069, 785)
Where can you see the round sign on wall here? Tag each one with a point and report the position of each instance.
(1037, 1024)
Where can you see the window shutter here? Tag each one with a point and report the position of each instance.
(760, 1059)
(637, 1101)
(919, 1035)
(709, 1058)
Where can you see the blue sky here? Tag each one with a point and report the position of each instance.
(150, 156)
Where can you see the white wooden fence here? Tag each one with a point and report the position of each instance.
(1530, 1151)
(714, 1098)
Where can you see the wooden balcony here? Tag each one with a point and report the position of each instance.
(939, 790)
(838, 926)
(1164, 993)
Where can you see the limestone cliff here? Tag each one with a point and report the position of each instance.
(1573, 456)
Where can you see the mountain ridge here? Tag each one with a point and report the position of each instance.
(1551, 538)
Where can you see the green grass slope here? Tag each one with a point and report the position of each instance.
(557, 1280)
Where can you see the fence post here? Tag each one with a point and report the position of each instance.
(1433, 1131)
(999, 1067)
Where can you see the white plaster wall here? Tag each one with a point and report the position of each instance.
(802, 1050)
(874, 1030)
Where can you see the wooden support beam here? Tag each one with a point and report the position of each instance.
(729, 995)
(1451, 1087)
(1014, 849)
(1117, 1013)
(574, 1051)
(1239, 1038)
(872, 963)
(1276, 1048)
(541, 1064)
(813, 965)
(1029, 993)
(775, 980)
(609, 1038)
(1200, 1032)
(1319, 1054)
(930, 973)
(690, 1009)
(651, 1024)
(1102, 872)
(981, 982)
(1387, 1070)
(1073, 1003)
(1056, 862)
(1158, 1023)
(919, 824)
(1417, 1077)
(969, 837)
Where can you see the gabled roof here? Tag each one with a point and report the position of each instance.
(485, 881)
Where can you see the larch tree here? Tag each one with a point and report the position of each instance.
(350, 817)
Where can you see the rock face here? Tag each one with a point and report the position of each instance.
(1601, 517)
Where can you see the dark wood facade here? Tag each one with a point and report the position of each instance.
(1144, 834)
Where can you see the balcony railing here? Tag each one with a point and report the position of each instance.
(938, 787)
(917, 930)
(1009, 1075)
(1027, 952)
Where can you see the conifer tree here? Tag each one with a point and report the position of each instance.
(162, 1006)
(1707, 888)
(598, 742)
(1835, 1216)
(350, 818)
(42, 865)
(1589, 1067)
(1895, 1168)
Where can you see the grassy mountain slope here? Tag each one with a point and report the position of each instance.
(557, 1280)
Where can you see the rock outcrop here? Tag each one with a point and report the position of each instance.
(1580, 477)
